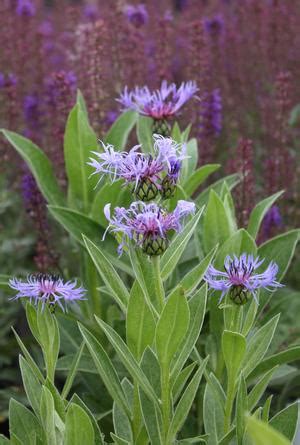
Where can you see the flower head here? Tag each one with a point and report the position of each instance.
(239, 278)
(146, 172)
(137, 15)
(147, 224)
(158, 104)
(47, 288)
(25, 8)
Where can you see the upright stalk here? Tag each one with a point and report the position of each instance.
(158, 284)
(166, 401)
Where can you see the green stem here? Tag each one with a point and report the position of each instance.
(136, 420)
(158, 284)
(166, 399)
(92, 280)
(229, 405)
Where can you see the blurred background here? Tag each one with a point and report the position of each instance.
(244, 56)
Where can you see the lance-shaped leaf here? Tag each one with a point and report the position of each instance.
(23, 423)
(286, 421)
(258, 345)
(47, 412)
(199, 176)
(241, 409)
(105, 368)
(120, 130)
(172, 327)
(172, 255)
(185, 403)
(145, 133)
(108, 274)
(234, 348)
(197, 306)
(263, 434)
(259, 389)
(231, 181)
(140, 323)
(32, 385)
(79, 141)
(128, 359)
(39, 165)
(258, 213)
(287, 356)
(79, 428)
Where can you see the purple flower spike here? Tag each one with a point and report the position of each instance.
(137, 15)
(25, 8)
(158, 104)
(146, 172)
(239, 278)
(147, 224)
(47, 288)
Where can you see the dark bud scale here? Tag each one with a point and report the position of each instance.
(161, 126)
(168, 187)
(155, 246)
(146, 190)
(239, 295)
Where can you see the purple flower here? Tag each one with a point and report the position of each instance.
(211, 114)
(2, 80)
(137, 15)
(158, 104)
(147, 224)
(214, 26)
(47, 288)
(239, 278)
(146, 172)
(91, 12)
(25, 8)
(271, 221)
(46, 28)
(110, 117)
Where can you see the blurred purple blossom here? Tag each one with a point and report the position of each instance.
(25, 8)
(272, 220)
(214, 26)
(91, 11)
(137, 15)
(211, 114)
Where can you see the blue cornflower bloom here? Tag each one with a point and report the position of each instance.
(239, 279)
(47, 288)
(147, 224)
(149, 174)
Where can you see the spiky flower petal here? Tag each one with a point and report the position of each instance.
(159, 104)
(47, 288)
(147, 224)
(239, 279)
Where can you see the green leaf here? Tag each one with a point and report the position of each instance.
(262, 434)
(78, 224)
(105, 368)
(118, 440)
(23, 423)
(181, 380)
(287, 356)
(120, 130)
(80, 100)
(234, 348)
(122, 425)
(59, 403)
(231, 180)
(172, 327)
(197, 306)
(79, 428)
(145, 133)
(47, 412)
(98, 435)
(79, 141)
(286, 421)
(171, 256)
(259, 212)
(193, 278)
(213, 416)
(259, 389)
(128, 359)
(280, 250)
(32, 385)
(35, 369)
(241, 409)
(151, 414)
(73, 371)
(258, 345)
(198, 177)
(108, 274)
(184, 405)
(188, 164)
(49, 339)
(140, 323)
(4, 279)
(216, 225)
(4, 440)
(39, 165)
